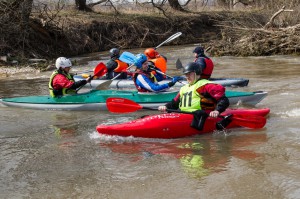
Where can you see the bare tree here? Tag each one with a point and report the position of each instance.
(176, 5)
(83, 5)
(14, 23)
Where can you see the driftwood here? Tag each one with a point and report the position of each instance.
(258, 41)
(270, 23)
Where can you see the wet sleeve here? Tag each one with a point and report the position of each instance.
(217, 92)
(222, 104)
(78, 84)
(111, 65)
(60, 82)
(174, 104)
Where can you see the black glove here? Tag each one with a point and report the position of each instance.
(174, 80)
(221, 125)
(199, 119)
(78, 84)
(152, 67)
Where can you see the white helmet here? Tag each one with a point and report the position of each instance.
(62, 62)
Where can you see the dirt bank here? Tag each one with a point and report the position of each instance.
(80, 33)
(91, 33)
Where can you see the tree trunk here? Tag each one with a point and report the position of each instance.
(81, 5)
(176, 6)
(14, 22)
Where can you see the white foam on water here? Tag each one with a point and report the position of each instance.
(292, 113)
(108, 138)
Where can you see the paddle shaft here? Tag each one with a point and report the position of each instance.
(85, 84)
(169, 39)
(166, 75)
(168, 110)
(105, 85)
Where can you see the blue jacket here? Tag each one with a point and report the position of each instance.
(145, 84)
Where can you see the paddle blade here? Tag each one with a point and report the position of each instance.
(249, 121)
(104, 85)
(171, 38)
(122, 105)
(178, 64)
(127, 57)
(100, 70)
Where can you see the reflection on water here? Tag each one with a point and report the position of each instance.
(198, 156)
(53, 154)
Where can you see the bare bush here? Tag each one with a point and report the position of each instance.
(258, 36)
(14, 23)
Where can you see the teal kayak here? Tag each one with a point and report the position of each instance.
(95, 100)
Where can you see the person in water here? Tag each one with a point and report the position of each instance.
(157, 60)
(116, 66)
(200, 96)
(145, 81)
(61, 81)
(205, 62)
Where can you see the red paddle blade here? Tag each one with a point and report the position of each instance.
(249, 121)
(122, 105)
(100, 70)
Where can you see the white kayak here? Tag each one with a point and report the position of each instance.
(129, 84)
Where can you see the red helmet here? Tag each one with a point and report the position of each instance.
(151, 53)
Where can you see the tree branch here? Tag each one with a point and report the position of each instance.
(270, 24)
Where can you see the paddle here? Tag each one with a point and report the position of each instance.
(169, 39)
(105, 85)
(129, 59)
(125, 55)
(122, 105)
(99, 71)
(178, 64)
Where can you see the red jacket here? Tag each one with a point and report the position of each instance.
(60, 81)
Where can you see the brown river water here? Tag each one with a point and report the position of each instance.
(56, 154)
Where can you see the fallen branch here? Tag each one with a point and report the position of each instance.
(270, 24)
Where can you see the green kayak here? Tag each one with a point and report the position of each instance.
(95, 100)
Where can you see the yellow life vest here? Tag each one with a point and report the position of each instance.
(190, 100)
(64, 91)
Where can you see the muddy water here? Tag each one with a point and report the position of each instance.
(52, 154)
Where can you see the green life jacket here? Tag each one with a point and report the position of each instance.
(63, 91)
(190, 100)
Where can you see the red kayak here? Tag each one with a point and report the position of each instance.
(176, 125)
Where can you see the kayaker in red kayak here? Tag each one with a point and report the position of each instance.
(145, 81)
(200, 96)
(157, 60)
(116, 66)
(205, 62)
(61, 81)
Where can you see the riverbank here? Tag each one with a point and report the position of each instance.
(79, 33)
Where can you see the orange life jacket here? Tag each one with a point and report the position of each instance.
(160, 63)
(121, 66)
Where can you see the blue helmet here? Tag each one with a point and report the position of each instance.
(139, 60)
(199, 50)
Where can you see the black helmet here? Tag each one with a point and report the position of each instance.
(114, 52)
(199, 50)
(192, 67)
